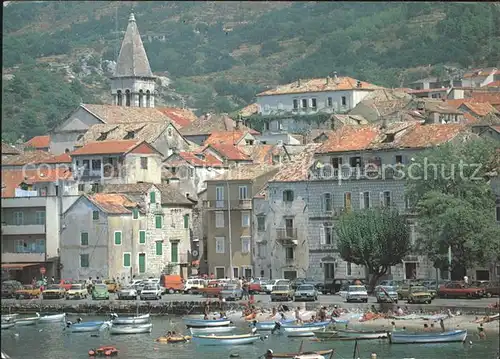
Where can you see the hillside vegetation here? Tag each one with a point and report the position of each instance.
(219, 54)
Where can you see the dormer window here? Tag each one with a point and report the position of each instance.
(288, 196)
(304, 103)
(102, 136)
(129, 136)
(249, 142)
(389, 137)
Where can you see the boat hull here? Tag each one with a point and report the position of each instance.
(142, 319)
(201, 331)
(52, 318)
(305, 330)
(225, 340)
(86, 327)
(8, 317)
(428, 338)
(269, 325)
(294, 355)
(201, 323)
(132, 329)
(7, 325)
(362, 334)
(306, 325)
(27, 321)
(326, 334)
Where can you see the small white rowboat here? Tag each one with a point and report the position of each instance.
(7, 325)
(362, 334)
(202, 323)
(27, 321)
(52, 318)
(140, 319)
(131, 329)
(428, 338)
(225, 340)
(86, 327)
(196, 331)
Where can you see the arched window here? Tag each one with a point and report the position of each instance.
(127, 98)
(119, 98)
(148, 98)
(141, 96)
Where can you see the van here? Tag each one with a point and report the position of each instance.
(172, 283)
(194, 285)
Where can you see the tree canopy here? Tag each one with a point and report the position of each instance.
(376, 238)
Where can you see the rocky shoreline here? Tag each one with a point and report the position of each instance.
(182, 308)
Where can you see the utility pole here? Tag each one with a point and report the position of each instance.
(231, 272)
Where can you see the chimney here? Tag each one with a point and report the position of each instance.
(358, 84)
(335, 75)
(238, 122)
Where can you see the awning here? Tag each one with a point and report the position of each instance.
(17, 266)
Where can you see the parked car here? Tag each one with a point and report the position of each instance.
(283, 282)
(212, 289)
(77, 291)
(127, 293)
(492, 288)
(419, 294)
(173, 283)
(9, 288)
(460, 290)
(333, 287)
(194, 285)
(113, 286)
(356, 293)
(27, 291)
(100, 291)
(231, 291)
(66, 283)
(306, 291)
(386, 294)
(282, 292)
(268, 287)
(343, 289)
(53, 291)
(256, 286)
(295, 283)
(405, 289)
(138, 286)
(391, 283)
(151, 291)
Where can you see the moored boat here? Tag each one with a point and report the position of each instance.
(428, 338)
(7, 325)
(202, 331)
(303, 330)
(50, 318)
(131, 329)
(225, 339)
(138, 319)
(173, 339)
(362, 334)
(325, 334)
(309, 356)
(9, 317)
(205, 323)
(28, 320)
(340, 321)
(273, 355)
(303, 325)
(86, 327)
(270, 325)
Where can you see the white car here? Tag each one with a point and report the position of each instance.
(151, 291)
(194, 285)
(268, 287)
(356, 293)
(127, 293)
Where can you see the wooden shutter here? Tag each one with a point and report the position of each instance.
(361, 200)
(322, 235)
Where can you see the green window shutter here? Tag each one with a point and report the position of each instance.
(142, 237)
(186, 221)
(126, 259)
(159, 248)
(84, 239)
(118, 238)
(84, 260)
(152, 197)
(174, 253)
(135, 213)
(158, 221)
(95, 215)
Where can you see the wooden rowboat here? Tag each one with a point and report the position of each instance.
(226, 339)
(202, 331)
(202, 323)
(131, 329)
(428, 338)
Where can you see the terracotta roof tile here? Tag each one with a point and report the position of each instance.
(428, 90)
(469, 118)
(249, 110)
(229, 152)
(260, 153)
(245, 172)
(34, 157)
(9, 150)
(225, 137)
(298, 168)
(207, 160)
(113, 203)
(406, 135)
(11, 179)
(480, 109)
(494, 83)
(491, 97)
(181, 116)
(170, 194)
(320, 85)
(38, 142)
(106, 147)
(205, 125)
(122, 114)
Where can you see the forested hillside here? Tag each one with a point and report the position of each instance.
(219, 54)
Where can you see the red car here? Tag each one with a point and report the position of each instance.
(212, 289)
(255, 287)
(460, 290)
(66, 283)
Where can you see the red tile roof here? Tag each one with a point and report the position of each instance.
(225, 137)
(480, 109)
(494, 83)
(491, 97)
(33, 157)
(181, 116)
(230, 152)
(406, 135)
(9, 150)
(11, 179)
(298, 169)
(208, 159)
(39, 142)
(106, 147)
(428, 90)
(113, 203)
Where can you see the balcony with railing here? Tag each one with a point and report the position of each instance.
(287, 236)
(212, 204)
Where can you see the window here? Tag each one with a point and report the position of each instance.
(304, 103)
(344, 101)
(355, 161)
(190, 172)
(328, 233)
(95, 215)
(118, 238)
(336, 162)
(245, 219)
(261, 250)
(347, 201)
(219, 245)
(144, 163)
(288, 196)
(295, 104)
(18, 218)
(243, 191)
(220, 272)
(266, 126)
(141, 98)
(327, 202)
(247, 272)
(219, 196)
(159, 248)
(245, 244)
(364, 200)
(158, 221)
(289, 253)
(126, 259)
(142, 237)
(174, 252)
(236, 272)
(329, 270)
(84, 239)
(152, 197)
(330, 102)
(170, 132)
(96, 165)
(186, 221)
(127, 98)
(413, 234)
(399, 159)
(135, 213)
(148, 98)
(498, 214)
(385, 199)
(261, 223)
(219, 219)
(348, 268)
(313, 103)
(81, 187)
(84, 260)
(40, 217)
(119, 98)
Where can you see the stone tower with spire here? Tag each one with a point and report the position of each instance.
(133, 83)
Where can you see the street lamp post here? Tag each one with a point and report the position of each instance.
(231, 273)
